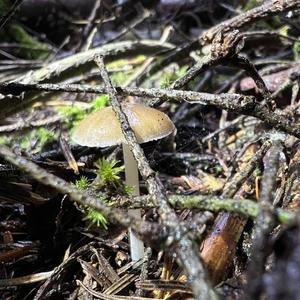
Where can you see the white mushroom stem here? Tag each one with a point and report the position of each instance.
(132, 179)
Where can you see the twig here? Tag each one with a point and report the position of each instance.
(89, 26)
(250, 69)
(164, 285)
(176, 55)
(292, 186)
(22, 125)
(236, 182)
(224, 101)
(72, 65)
(103, 296)
(265, 222)
(227, 126)
(182, 245)
(165, 36)
(130, 27)
(267, 9)
(144, 270)
(204, 64)
(227, 101)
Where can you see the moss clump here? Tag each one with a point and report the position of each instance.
(92, 215)
(34, 140)
(30, 47)
(108, 173)
(108, 179)
(169, 77)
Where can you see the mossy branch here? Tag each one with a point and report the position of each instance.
(246, 207)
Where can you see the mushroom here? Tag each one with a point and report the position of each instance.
(102, 129)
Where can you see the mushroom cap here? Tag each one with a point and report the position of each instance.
(102, 128)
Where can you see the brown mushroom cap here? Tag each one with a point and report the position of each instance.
(102, 128)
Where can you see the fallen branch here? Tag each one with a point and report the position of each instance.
(84, 60)
(235, 103)
(243, 207)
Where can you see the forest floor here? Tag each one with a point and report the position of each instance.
(214, 204)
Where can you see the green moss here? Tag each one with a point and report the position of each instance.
(99, 102)
(124, 62)
(107, 178)
(25, 143)
(37, 137)
(108, 173)
(4, 140)
(296, 50)
(82, 184)
(117, 64)
(97, 218)
(92, 215)
(31, 47)
(118, 78)
(72, 115)
(45, 136)
(169, 77)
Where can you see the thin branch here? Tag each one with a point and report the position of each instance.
(23, 125)
(235, 103)
(267, 9)
(243, 207)
(220, 36)
(84, 44)
(187, 254)
(227, 101)
(239, 178)
(265, 222)
(250, 69)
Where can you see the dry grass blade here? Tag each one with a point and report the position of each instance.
(68, 154)
(28, 279)
(121, 284)
(100, 276)
(110, 297)
(106, 266)
(164, 285)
